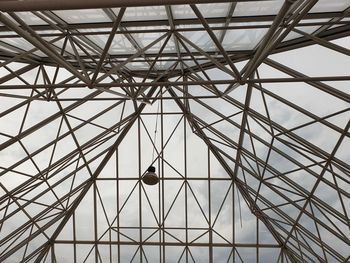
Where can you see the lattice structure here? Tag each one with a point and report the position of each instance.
(244, 106)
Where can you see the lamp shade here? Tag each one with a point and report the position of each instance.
(150, 177)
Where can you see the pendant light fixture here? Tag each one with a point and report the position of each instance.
(150, 177)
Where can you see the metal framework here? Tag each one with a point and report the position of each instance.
(244, 104)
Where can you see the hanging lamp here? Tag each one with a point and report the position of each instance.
(150, 177)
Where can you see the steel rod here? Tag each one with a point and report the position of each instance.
(36, 5)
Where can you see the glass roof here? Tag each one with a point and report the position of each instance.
(242, 108)
(242, 35)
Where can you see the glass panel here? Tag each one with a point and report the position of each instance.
(243, 39)
(19, 43)
(201, 39)
(145, 39)
(258, 8)
(137, 66)
(144, 13)
(214, 10)
(31, 19)
(207, 10)
(330, 6)
(120, 45)
(83, 16)
(182, 12)
(165, 64)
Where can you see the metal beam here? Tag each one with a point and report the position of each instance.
(108, 44)
(32, 38)
(309, 80)
(37, 5)
(268, 38)
(195, 21)
(216, 41)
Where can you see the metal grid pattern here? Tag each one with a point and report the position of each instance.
(244, 105)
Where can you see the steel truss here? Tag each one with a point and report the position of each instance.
(239, 182)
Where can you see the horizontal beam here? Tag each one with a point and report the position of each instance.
(178, 83)
(187, 21)
(178, 244)
(38, 5)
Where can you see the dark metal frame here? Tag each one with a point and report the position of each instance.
(269, 192)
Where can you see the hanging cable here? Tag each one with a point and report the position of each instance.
(155, 132)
